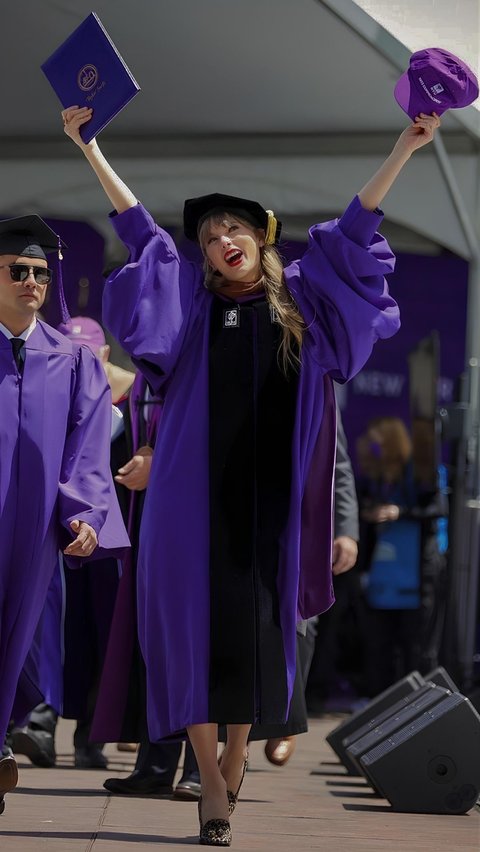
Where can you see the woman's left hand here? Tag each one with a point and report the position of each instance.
(418, 134)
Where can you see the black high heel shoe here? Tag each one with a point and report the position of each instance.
(215, 832)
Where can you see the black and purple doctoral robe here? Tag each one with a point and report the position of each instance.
(158, 308)
(55, 421)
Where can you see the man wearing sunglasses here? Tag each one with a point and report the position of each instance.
(56, 490)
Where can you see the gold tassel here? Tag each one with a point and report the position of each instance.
(271, 229)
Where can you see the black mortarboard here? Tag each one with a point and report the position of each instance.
(30, 236)
(197, 209)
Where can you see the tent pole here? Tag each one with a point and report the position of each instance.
(465, 522)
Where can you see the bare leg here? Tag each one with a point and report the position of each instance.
(204, 740)
(234, 754)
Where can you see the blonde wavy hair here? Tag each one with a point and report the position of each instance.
(273, 282)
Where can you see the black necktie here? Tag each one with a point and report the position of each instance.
(17, 344)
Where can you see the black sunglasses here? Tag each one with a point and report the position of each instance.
(20, 272)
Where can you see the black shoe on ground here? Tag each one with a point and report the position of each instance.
(188, 788)
(90, 757)
(38, 746)
(139, 784)
(8, 778)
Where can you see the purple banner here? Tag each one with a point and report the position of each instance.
(432, 294)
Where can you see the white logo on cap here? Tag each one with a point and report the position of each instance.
(425, 88)
(437, 89)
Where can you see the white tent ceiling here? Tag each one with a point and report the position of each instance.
(283, 100)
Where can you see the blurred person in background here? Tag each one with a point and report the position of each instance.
(326, 633)
(401, 555)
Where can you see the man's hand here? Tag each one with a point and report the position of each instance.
(345, 552)
(135, 474)
(85, 542)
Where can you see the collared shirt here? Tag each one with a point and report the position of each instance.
(24, 335)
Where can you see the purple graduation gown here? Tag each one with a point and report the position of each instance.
(159, 309)
(118, 714)
(54, 467)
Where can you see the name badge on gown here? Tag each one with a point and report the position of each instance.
(231, 318)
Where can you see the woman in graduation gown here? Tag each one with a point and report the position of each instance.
(236, 532)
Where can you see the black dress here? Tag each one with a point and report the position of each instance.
(252, 411)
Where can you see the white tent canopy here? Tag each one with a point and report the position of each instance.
(288, 101)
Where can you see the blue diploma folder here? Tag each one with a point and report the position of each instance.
(88, 70)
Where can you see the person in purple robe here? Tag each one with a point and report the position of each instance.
(73, 630)
(235, 544)
(120, 712)
(56, 490)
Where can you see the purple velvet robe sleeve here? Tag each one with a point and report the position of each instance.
(340, 289)
(148, 303)
(86, 490)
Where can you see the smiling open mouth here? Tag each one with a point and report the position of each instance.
(233, 257)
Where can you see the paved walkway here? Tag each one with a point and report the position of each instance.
(309, 804)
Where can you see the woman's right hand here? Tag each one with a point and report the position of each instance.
(73, 118)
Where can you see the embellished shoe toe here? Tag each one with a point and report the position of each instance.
(215, 832)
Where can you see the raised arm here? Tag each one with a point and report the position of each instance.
(116, 190)
(420, 133)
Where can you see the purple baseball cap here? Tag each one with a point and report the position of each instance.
(84, 330)
(436, 80)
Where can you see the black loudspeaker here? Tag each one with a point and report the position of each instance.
(441, 677)
(397, 717)
(379, 718)
(474, 698)
(432, 764)
(411, 683)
